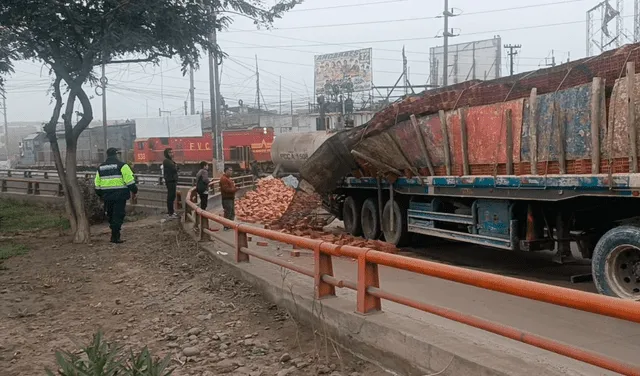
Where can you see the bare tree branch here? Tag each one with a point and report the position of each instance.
(50, 127)
(147, 59)
(87, 113)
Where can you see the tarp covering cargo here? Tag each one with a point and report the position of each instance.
(464, 127)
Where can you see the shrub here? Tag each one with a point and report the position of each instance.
(92, 203)
(102, 358)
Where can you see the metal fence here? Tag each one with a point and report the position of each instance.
(370, 293)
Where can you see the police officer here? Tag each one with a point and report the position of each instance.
(114, 184)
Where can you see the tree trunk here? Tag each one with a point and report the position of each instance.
(62, 175)
(75, 198)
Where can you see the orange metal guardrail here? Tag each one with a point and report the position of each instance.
(369, 293)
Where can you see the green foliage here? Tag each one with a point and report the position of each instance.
(143, 364)
(102, 358)
(73, 36)
(12, 250)
(19, 216)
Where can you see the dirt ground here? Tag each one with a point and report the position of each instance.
(157, 289)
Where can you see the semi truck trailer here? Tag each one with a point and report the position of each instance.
(545, 160)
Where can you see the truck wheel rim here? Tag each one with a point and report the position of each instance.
(348, 218)
(622, 271)
(368, 221)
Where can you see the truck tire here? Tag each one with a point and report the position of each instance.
(351, 216)
(616, 263)
(370, 220)
(398, 235)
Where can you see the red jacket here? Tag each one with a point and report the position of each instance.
(227, 188)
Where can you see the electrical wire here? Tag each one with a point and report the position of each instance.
(416, 18)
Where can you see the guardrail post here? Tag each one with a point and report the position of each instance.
(30, 188)
(4, 185)
(204, 224)
(36, 188)
(9, 173)
(178, 200)
(323, 266)
(187, 210)
(367, 277)
(60, 190)
(46, 175)
(241, 242)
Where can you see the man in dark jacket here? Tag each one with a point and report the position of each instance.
(115, 184)
(170, 172)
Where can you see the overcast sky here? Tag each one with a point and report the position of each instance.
(326, 26)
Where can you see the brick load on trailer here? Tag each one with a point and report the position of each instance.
(538, 161)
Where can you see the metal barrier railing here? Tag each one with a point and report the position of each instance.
(46, 174)
(370, 294)
(53, 188)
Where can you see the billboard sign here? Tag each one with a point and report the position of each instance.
(477, 60)
(349, 70)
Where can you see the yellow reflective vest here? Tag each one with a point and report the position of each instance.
(114, 180)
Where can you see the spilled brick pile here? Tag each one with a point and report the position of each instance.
(282, 208)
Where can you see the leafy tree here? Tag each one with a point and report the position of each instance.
(73, 37)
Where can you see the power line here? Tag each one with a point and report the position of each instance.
(347, 6)
(420, 38)
(413, 19)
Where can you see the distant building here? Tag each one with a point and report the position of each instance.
(35, 149)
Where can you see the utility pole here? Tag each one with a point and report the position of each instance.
(192, 90)
(512, 54)
(6, 125)
(446, 34)
(404, 72)
(103, 82)
(214, 99)
(258, 89)
(553, 60)
(280, 102)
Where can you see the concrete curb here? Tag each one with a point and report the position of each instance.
(394, 342)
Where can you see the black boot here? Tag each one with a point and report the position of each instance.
(115, 237)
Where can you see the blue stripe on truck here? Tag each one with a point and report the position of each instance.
(578, 182)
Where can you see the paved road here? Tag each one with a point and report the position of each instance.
(615, 338)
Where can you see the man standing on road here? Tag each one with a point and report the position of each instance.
(255, 170)
(228, 194)
(115, 184)
(170, 174)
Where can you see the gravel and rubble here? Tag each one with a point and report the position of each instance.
(159, 290)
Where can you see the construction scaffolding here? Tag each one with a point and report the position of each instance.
(599, 18)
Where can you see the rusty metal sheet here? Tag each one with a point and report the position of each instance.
(618, 130)
(486, 133)
(381, 149)
(574, 109)
(431, 133)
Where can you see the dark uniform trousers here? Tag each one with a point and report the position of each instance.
(116, 211)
